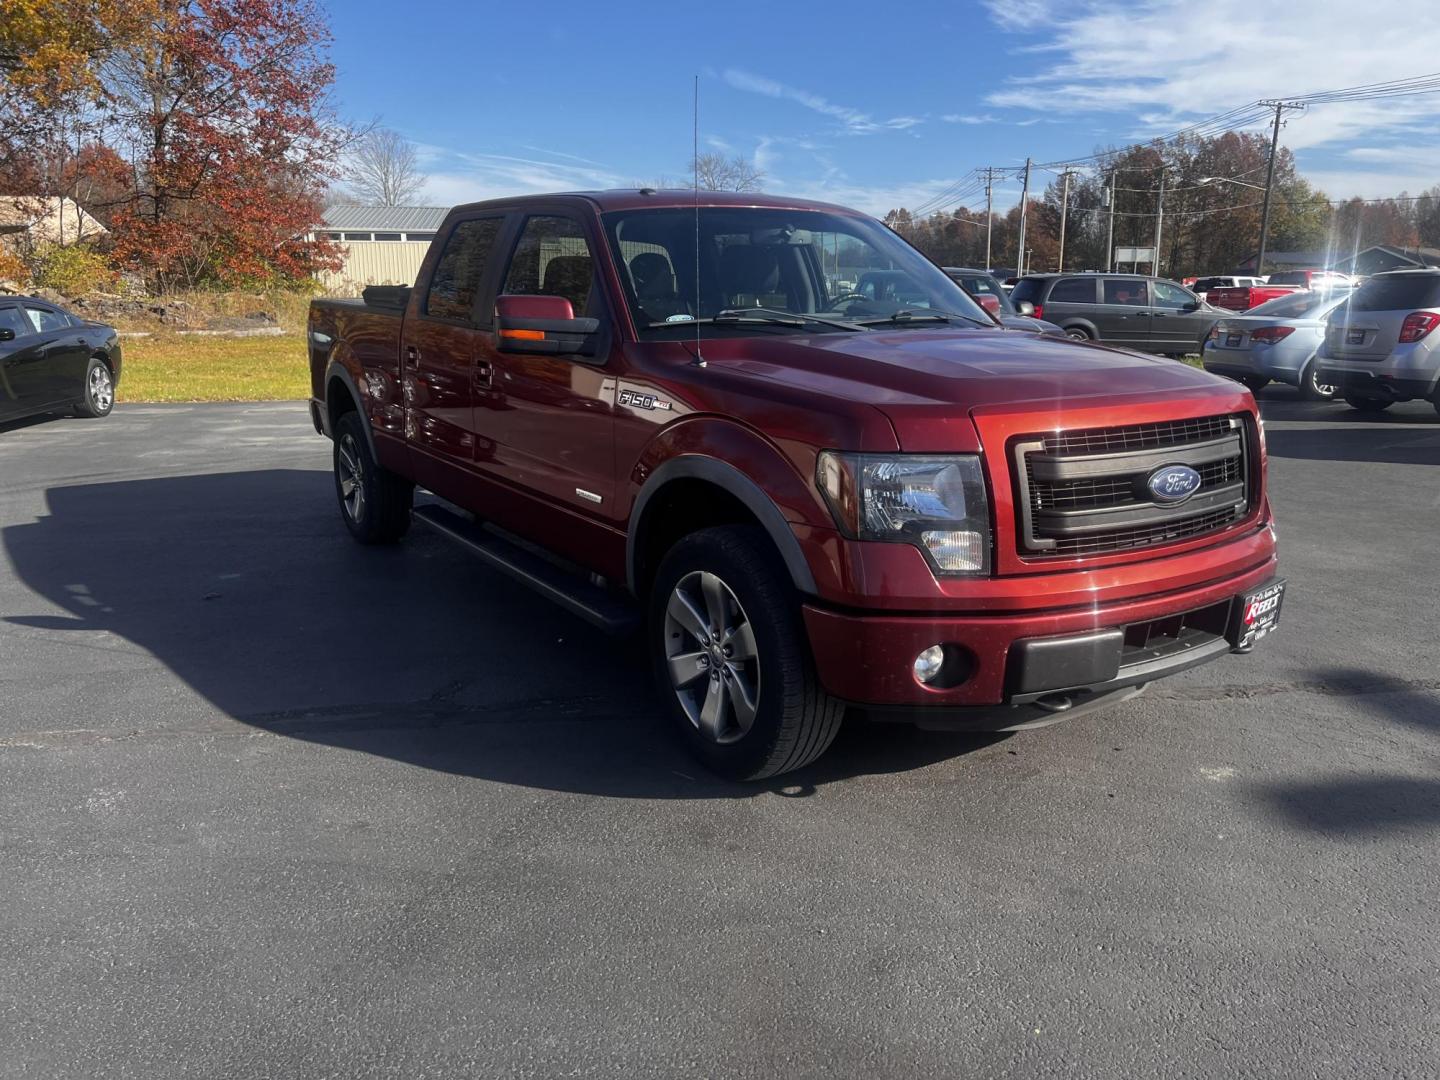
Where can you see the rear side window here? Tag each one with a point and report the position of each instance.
(1393, 294)
(1025, 289)
(12, 319)
(1290, 277)
(1072, 291)
(455, 285)
(44, 319)
(553, 259)
(1126, 291)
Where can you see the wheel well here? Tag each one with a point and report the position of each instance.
(678, 509)
(338, 401)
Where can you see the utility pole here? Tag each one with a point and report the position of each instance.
(1064, 209)
(1024, 198)
(989, 211)
(1110, 239)
(1280, 107)
(1159, 219)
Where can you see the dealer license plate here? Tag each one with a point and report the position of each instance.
(1232, 340)
(1258, 615)
(1354, 337)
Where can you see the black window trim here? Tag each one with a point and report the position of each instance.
(482, 310)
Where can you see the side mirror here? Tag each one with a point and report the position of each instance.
(6, 334)
(1025, 307)
(543, 324)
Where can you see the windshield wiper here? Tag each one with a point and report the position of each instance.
(774, 317)
(905, 316)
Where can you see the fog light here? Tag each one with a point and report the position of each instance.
(929, 663)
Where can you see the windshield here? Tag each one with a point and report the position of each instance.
(767, 270)
(1303, 305)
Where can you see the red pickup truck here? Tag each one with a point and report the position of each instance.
(1245, 297)
(679, 418)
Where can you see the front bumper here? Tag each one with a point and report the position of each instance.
(1022, 670)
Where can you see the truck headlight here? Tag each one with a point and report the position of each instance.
(935, 503)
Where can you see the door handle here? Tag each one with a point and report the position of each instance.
(412, 354)
(483, 373)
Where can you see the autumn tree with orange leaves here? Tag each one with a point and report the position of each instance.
(219, 109)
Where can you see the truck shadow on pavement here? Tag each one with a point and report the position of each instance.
(246, 586)
(1399, 444)
(1366, 805)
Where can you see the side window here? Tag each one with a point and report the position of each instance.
(552, 258)
(461, 270)
(12, 319)
(44, 319)
(1071, 291)
(1127, 291)
(1170, 295)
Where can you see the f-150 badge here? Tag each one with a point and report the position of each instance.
(637, 400)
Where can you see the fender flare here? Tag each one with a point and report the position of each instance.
(337, 370)
(736, 483)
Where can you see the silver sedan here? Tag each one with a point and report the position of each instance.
(1276, 341)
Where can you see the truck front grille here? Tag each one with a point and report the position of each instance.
(1085, 492)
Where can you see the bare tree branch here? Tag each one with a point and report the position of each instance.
(381, 169)
(716, 172)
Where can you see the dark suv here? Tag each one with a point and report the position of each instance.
(1133, 311)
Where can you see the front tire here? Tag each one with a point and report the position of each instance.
(1078, 333)
(1367, 404)
(731, 659)
(97, 396)
(1311, 389)
(374, 502)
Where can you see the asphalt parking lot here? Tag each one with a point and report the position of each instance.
(272, 804)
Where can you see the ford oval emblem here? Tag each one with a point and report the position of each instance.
(1173, 483)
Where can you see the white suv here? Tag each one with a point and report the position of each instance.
(1379, 346)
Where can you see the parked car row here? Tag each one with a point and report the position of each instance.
(51, 360)
(1133, 311)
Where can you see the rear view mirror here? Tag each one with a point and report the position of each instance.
(543, 324)
(1025, 307)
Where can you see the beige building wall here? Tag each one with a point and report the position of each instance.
(376, 262)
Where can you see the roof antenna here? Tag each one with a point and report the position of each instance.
(698, 359)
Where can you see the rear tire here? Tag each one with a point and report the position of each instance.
(1310, 389)
(97, 396)
(1078, 333)
(374, 502)
(1367, 404)
(732, 664)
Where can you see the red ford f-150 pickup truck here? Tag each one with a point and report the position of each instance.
(1245, 297)
(670, 412)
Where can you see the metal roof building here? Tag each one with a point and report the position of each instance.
(383, 245)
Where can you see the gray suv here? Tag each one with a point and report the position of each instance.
(1133, 311)
(1379, 347)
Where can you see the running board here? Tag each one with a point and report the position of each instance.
(595, 605)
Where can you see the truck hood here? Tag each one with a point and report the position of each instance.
(903, 370)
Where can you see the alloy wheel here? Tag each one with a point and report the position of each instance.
(102, 388)
(1322, 390)
(711, 656)
(351, 471)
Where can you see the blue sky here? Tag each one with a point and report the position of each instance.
(870, 105)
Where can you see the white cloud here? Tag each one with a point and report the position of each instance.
(458, 178)
(969, 118)
(853, 121)
(1154, 64)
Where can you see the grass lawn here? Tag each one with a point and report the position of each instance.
(168, 367)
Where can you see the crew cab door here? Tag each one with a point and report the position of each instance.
(445, 357)
(1177, 323)
(1123, 316)
(552, 416)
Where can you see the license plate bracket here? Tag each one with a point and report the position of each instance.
(1256, 615)
(1354, 337)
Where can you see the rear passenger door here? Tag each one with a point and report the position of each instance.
(66, 353)
(552, 416)
(446, 357)
(1069, 302)
(1124, 313)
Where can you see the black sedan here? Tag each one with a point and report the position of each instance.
(52, 361)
